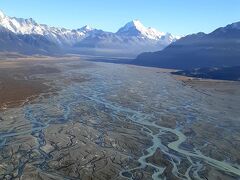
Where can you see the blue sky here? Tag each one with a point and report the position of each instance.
(179, 17)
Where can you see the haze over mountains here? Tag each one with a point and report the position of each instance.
(28, 36)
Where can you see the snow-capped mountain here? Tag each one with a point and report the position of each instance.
(26, 44)
(136, 28)
(60, 36)
(86, 29)
(134, 36)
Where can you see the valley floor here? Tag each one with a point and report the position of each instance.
(66, 118)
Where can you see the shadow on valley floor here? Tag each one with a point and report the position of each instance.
(218, 73)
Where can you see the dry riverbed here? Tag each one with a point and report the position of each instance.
(73, 119)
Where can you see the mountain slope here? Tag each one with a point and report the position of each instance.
(136, 28)
(217, 49)
(26, 44)
(132, 38)
(60, 36)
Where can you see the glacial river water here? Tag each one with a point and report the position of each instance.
(142, 96)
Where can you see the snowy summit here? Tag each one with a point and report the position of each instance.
(134, 35)
(136, 28)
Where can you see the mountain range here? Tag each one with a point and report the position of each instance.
(220, 48)
(28, 36)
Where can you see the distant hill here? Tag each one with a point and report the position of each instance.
(226, 73)
(217, 49)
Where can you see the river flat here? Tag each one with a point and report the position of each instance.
(111, 121)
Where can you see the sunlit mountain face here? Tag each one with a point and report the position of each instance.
(133, 38)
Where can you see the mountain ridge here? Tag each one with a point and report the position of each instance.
(88, 37)
(219, 48)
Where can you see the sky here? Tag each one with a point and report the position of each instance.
(179, 17)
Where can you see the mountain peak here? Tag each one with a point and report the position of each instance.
(231, 30)
(135, 23)
(235, 25)
(134, 34)
(2, 15)
(86, 28)
(136, 28)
